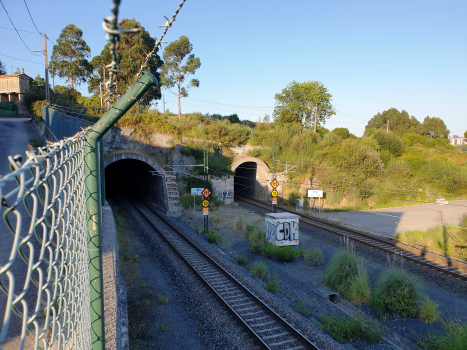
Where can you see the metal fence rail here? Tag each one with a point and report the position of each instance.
(44, 274)
(61, 123)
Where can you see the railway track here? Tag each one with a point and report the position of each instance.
(267, 328)
(420, 255)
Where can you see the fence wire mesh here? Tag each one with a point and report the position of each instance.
(44, 274)
(61, 121)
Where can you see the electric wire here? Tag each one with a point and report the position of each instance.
(20, 59)
(16, 29)
(31, 17)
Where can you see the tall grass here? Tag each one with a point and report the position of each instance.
(345, 329)
(254, 235)
(359, 288)
(341, 269)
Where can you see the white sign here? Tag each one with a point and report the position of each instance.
(315, 194)
(197, 191)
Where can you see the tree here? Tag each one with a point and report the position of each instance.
(69, 57)
(132, 52)
(344, 133)
(308, 103)
(395, 121)
(389, 142)
(173, 73)
(37, 81)
(465, 134)
(2, 68)
(435, 127)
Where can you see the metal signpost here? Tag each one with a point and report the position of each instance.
(315, 194)
(206, 193)
(196, 191)
(274, 193)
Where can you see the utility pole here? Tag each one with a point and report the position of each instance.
(100, 90)
(47, 92)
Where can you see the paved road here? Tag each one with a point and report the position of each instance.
(395, 220)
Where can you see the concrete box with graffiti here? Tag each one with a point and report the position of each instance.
(282, 228)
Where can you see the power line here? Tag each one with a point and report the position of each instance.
(16, 29)
(21, 59)
(224, 104)
(19, 30)
(31, 18)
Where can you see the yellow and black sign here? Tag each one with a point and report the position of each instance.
(274, 193)
(274, 183)
(205, 203)
(206, 192)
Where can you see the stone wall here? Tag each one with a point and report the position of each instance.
(223, 187)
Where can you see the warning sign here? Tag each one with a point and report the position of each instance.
(274, 193)
(274, 184)
(206, 192)
(205, 203)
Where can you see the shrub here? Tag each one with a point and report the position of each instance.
(399, 291)
(272, 285)
(390, 142)
(287, 253)
(342, 267)
(163, 299)
(259, 269)
(414, 161)
(254, 235)
(454, 339)
(345, 329)
(398, 169)
(385, 156)
(359, 289)
(213, 238)
(313, 256)
(378, 305)
(242, 259)
(343, 133)
(429, 311)
(239, 224)
(267, 249)
(300, 307)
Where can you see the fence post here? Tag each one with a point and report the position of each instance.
(94, 202)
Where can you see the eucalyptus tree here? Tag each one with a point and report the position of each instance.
(69, 56)
(132, 52)
(178, 65)
(307, 103)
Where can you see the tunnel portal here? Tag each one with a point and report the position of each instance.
(245, 179)
(134, 178)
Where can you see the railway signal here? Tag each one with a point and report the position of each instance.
(205, 203)
(274, 194)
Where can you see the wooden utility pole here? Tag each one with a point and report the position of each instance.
(316, 115)
(100, 90)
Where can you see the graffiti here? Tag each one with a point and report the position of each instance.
(224, 194)
(172, 193)
(282, 231)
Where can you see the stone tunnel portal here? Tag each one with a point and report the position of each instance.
(135, 178)
(245, 179)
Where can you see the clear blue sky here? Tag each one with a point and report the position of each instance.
(371, 55)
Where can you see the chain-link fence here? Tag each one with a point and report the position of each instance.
(44, 273)
(65, 121)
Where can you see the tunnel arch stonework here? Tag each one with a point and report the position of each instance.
(263, 175)
(171, 194)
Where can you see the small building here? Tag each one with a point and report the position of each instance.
(13, 86)
(457, 140)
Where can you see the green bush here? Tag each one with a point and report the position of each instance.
(343, 133)
(345, 329)
(242, 259)
(259, 269)
(213, 238)
(313, 256)
(272, 285)
(390, 142)
(254, 235)
(385, 156)
(399, 291)
(429, 311)
(267, 249)
(239, 224)
(440, 142)
(342, 267)
(300, 307)
(287, 253)
(378, 305)
(455, 338)
(414, 161)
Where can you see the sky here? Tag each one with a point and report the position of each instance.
(370, 55)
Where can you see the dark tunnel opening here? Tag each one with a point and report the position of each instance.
(134, 178)
(245, 179)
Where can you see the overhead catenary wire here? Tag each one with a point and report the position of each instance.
(17, 32)
(31, 17)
